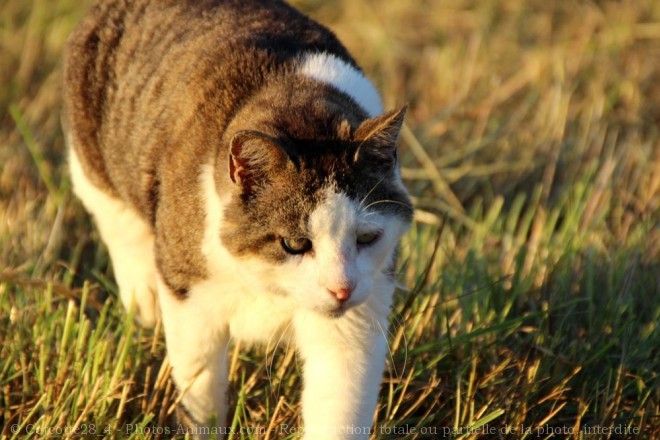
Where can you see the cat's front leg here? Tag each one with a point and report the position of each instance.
(197, 346)
(344, 362)
(129, 240)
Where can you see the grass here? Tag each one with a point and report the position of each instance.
(532, 274)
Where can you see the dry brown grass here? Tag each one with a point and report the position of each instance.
(532, 148)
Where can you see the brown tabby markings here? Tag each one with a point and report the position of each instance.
(146, 146)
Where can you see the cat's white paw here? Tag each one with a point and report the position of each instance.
(137, 292)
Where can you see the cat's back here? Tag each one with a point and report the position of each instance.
(135, 44)
(146, 78)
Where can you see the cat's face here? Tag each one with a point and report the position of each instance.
(319, 224)
(353, 246)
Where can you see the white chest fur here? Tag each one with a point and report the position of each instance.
(236, 292)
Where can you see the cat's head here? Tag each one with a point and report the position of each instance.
(318, 219)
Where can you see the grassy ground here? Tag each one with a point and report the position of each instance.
(532, 275)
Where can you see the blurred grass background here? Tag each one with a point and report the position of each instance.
(532, 274)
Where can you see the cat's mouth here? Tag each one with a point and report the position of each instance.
(338, 311)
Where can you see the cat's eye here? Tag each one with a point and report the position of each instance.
(296, 246)
(367, 238)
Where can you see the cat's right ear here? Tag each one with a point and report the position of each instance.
(252, 157)
(378, 137)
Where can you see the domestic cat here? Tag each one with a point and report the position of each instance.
(243, 175)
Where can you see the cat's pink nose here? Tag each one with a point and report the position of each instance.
(342, 294)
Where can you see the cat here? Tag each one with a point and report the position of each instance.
(244, 176)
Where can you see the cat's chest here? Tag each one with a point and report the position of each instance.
(240, 295)
(250, 314)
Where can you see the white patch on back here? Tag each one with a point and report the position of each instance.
(338, 73)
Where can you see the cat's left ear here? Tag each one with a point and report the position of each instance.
(253, 156)
(378, 136)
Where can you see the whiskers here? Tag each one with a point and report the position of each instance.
(365, 209)
(270, 358)
(395, 202)
(373, 188)
(398, 325)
